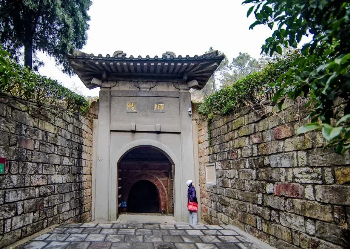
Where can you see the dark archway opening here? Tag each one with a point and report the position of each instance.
(145, 163)
(143, 198)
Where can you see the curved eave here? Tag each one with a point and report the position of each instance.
(181, 69)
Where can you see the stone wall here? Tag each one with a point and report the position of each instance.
(47, 178)
(281, 187)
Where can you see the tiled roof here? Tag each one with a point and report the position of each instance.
(93, 70)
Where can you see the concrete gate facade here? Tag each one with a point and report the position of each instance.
(143, 102)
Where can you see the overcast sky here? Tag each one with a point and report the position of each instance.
(151, 27)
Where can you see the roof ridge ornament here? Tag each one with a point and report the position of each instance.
(169, 54)
(119, 54)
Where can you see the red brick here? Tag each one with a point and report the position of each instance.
(26, 143)
(283, 131)
(289, 190)
(255, 138)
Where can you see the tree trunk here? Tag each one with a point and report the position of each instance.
(28, 41)
(28, 53)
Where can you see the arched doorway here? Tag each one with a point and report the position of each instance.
(143, 198)
(145, 181)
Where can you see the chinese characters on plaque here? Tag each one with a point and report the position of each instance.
(131, 107)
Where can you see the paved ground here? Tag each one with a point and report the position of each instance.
(142, 235)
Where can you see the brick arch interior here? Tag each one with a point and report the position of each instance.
(163, 198)
(150, 164)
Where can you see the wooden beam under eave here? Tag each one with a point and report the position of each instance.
(119, 67)
(190, 67)
(178, 65)
(131, 66)
(112, 67)
(144, 67)
(172, 65)
(99, 66)
(198, 66)
(159, 66)
(138, 67)
(152, 68)
(165, 67)
(125, 67)
(208, 68)
(92, 66)
(184, 66)
(106, 67)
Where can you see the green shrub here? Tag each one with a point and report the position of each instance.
(250, 90)
(24, 83)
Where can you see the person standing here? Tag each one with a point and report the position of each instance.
(191, 197)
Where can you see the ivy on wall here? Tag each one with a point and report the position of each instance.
(24, 83)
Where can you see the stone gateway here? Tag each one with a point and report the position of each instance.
(144, 146)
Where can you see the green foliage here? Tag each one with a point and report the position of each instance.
(250, 90)
(22, 82)
(323, 71)
(52, 26)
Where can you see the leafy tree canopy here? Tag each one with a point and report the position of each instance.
(52, 26)
(322, 71)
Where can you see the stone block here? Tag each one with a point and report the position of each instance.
(342, 175)
(33, 205)
(289, 190)
(283, 160)
(293, 221)
(101, 245)
(8, 210)
(38, 180)
(274, 202)
(5, 139)
(22, 117)
(313, 209)
(307, 241)
(308, 175)
(280, 232)
(283, 131)
(271, 174)
(39, 157)
(297, 143)
(256, 138)
(310, 227)
(22, 220)
(322, 158)
(302, 158)
(328, 176)
(26, 143)
(333, 233)
(333, 194)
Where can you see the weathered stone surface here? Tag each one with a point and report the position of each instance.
(308, 175)
(333, 194)
(293, 221)
(342, 175)
(280, 232)
(276, 178)
(313, 210)
(332, 233)
(8, 210)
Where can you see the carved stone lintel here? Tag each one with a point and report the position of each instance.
(145, 86)
(181, 86)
